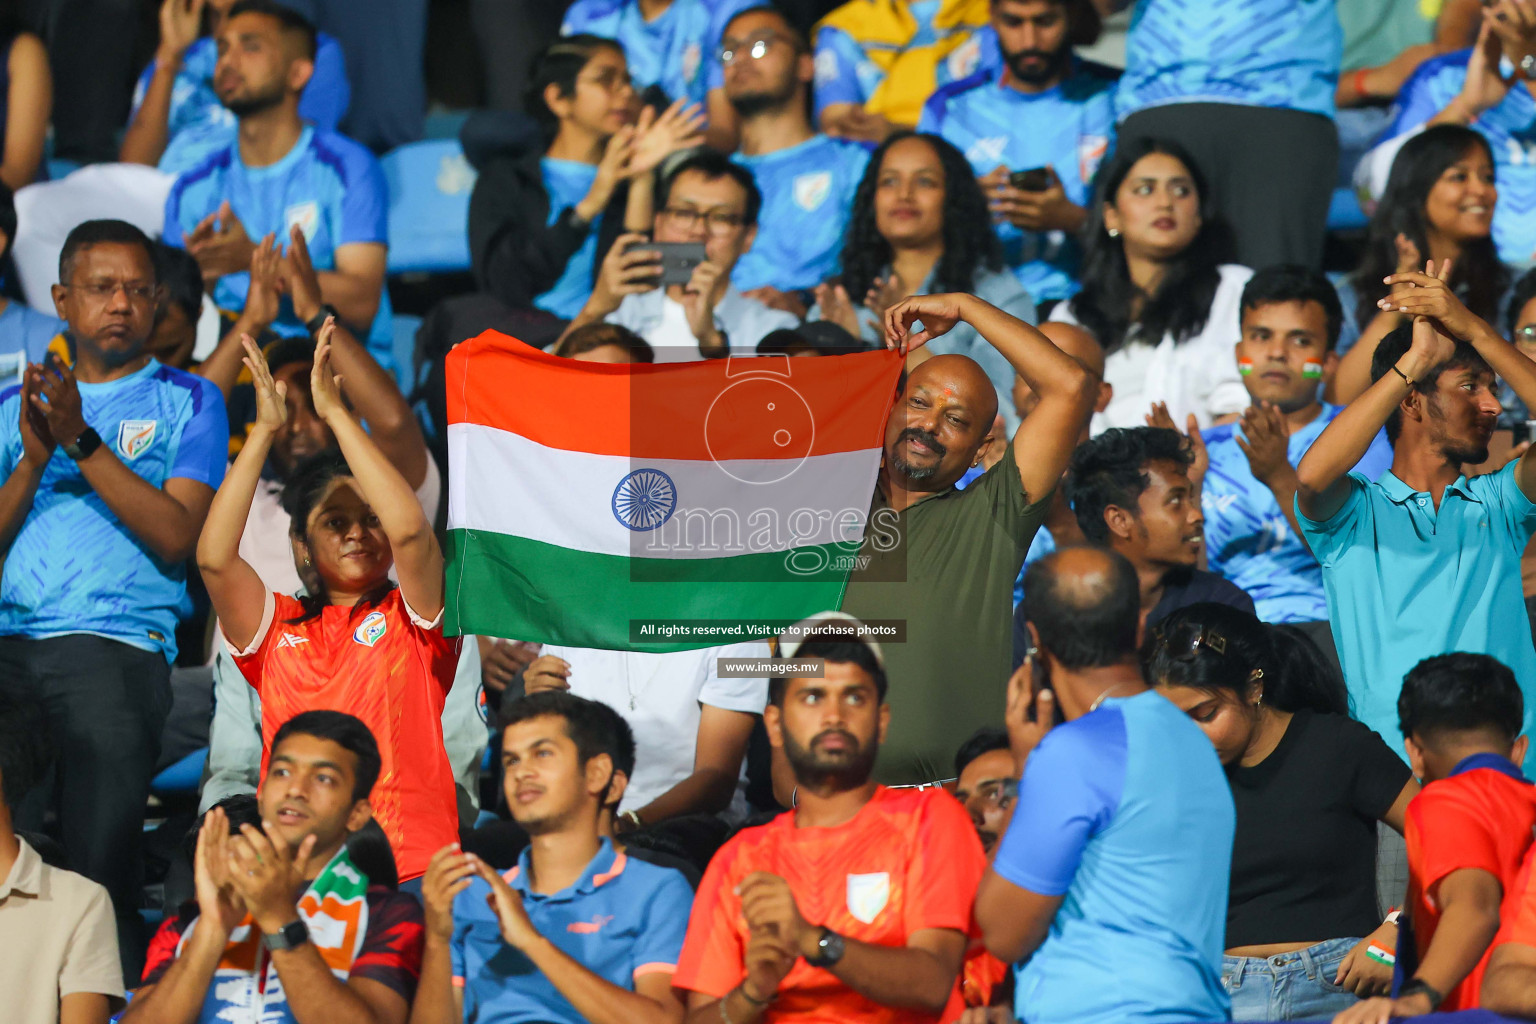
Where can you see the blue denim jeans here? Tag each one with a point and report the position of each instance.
(1288, 986)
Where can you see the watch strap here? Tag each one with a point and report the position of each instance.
(1417, 986)
(294, 933)
(316, 322)
(83, 446)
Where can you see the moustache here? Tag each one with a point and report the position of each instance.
(843, 734)
(924, 437)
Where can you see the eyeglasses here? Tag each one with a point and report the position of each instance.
(756, 48)
(101, 291)
(716, 222)
(611, 79)
(1525, 334)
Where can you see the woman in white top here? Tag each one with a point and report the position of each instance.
(1155, 293)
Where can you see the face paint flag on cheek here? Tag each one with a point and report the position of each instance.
(1245, 366)
(1311, 369)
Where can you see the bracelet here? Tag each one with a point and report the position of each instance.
(1357, 82)
(1406, 379)
(749, 997)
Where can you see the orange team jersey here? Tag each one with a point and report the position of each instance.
(909, 860)
(390, 668)
(1480, 816)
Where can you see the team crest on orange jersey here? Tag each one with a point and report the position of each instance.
(868, 895)
(371, 630)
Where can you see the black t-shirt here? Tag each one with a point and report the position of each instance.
(1184, 587)
(1304, 858)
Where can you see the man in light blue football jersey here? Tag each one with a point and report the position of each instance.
(1108, 890)
(1068, 105)
(177, 119)
(280, 173)
(670, 44)
(109, 469)
(807, 179)
(1455, 88)
(1290, 323)
(1246, 86)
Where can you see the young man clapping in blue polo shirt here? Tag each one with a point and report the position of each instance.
(578, 931)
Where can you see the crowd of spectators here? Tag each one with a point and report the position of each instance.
(1213, 510)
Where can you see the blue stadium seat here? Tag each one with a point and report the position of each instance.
(59, 168)
(1344, 212)
(405, 327)
(181, 778)
(429, 185)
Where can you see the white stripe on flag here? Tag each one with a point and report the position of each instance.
(504, 483)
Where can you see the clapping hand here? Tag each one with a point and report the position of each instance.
(59, 401)
(271, 396)
(449, 872)
(656, 137)
(299, 277)
(219, 906)
(1429, 294)
(220, 244)
(268, 874)
(324, 385)
(1161, 417)
(263, 299)
(506, 903)
(37, 441)
(1265, 440)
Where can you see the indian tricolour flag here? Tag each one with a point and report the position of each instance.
(608, 505)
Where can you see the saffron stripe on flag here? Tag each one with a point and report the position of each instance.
(711, 509)
(756, 407)
(523, 589)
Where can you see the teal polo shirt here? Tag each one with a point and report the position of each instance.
(1405, 582)
(622, 919)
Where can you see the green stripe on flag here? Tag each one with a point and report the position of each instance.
(508, 586)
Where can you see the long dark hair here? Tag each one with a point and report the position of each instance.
(1217, 647)
(1183, 300)
(558, 64)
(306, 485)
(1479, 276)
(969, 241)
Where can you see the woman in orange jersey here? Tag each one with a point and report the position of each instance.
(356, 642)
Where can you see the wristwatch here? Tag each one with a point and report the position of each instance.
(829, 949)
(316, 322)
(294, 933)
(1415, 987)
(1528, 67)
(83, 446)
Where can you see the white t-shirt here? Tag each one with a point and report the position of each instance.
(1196, 376)
(661, 696)
(663, 322)
(265, 544)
